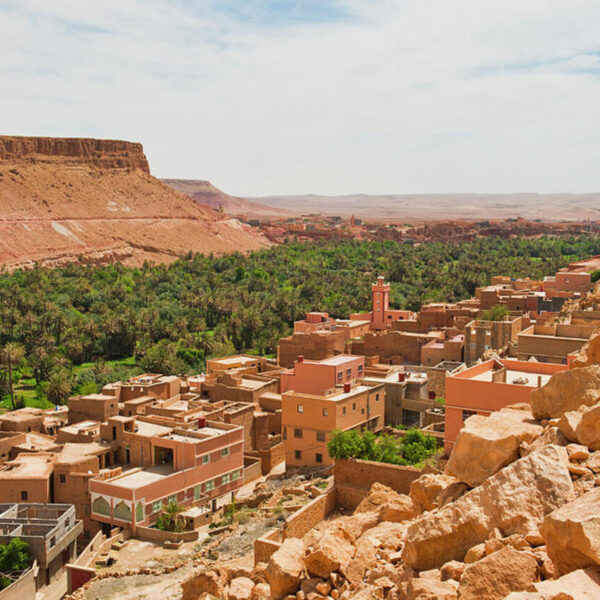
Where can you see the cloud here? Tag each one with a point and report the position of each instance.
(284, 96)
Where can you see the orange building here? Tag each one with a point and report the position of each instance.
(316, 376)
(308, 419)
(490, 386)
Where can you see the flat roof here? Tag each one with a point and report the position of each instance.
(253, 383)
(340, 359)
(138, 479)
(515, 377)
(150, 429)
(232, 360)
(28, 466)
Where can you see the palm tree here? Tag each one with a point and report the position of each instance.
(170, 519)
(12, 354)
(59, 386)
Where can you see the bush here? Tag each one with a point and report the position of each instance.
(14, 556)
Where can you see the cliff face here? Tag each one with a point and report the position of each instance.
(69, 200)
(99, 154)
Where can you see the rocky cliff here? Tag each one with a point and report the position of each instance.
(74, 199)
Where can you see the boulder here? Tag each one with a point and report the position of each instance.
(577, 452)
(497, 575)
(390, 505)
(333, 551)
(593, 462)
(487, 444)
(285, 567)
(240, 588)
(516, 500)
(452, 570)
(209, 581)
(588, 429)
(388, 536)
(426, 490)
(261, 591)
(583, 584)
(551, 435)
(431, 589)
(365, 557)
(566, 391)
(568, 423)
(572, 533)
(589, 353)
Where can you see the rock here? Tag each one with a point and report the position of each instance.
(588, 429)
(308, 586)
(583, 584)
(240, 588)
(566, 391)
(578, 470)
(498, 574)
(516, 500)
(261, 591)
(475, 553)
(431, 589)
(487, 444)
(452, 570)
(365, 557)
(425, 490)
(211, 581)
(568, 423)
(572, 533)
(593, 462)
(356, 524)
(333, 551)
(259, 573)
(545, 563)
(390, 505)
(285, 567)
(452, 493)
(551, 435)
(577, 452)
(589, 353)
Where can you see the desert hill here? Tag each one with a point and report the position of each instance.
(204, 192)
(71, 199)
(548, 207)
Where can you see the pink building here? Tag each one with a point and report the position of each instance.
(316, 376)
(571, 282)
(188, 466)
(490, 386)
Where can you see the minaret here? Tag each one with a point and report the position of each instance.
(381, 301)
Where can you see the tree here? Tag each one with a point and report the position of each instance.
(59, 386)
(14, 557)
(170, 519)
(10, 356)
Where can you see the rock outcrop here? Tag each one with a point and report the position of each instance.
(566, 391)
(285, 567)
(486, 444)
(515, 500)
(590, 353)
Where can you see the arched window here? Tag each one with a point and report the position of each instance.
(122, 511)
(101, 506)
(139, 512)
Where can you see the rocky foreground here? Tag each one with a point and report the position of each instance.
(515, 515)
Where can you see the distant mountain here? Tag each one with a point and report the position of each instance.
(84, 200)
(548, 207)
(204, 192)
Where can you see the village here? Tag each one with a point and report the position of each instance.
(222, 484)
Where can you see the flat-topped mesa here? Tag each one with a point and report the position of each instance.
(99, 154)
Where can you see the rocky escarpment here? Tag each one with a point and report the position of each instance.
(83, 200)
(100, 154)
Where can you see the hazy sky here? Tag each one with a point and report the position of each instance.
(268, 97)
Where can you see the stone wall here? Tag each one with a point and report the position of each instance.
(269, 457)
(354, 478)
(252, 468)
(267, 545)
(156, 535)
(311, 514)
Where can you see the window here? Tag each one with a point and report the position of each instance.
(172, 498)
(376, 397)
(205, 459)
(343, 410)
(360, 369)
(24, 495)
(319, 457)
(297, 454)
(300, 408)
(297, 433)
(354, 406)
(225, 479)
(209, 485)
(156, 506)
(362, 411)
(320, 436)
(340, 375)
(348, 372)
(62, 478)
(197, 492)
(325, 412)
(236, 475)
(225, 452)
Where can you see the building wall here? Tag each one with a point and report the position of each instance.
(314, 346)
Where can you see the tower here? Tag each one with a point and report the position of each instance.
(381, 301)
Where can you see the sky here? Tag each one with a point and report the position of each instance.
(266, 97)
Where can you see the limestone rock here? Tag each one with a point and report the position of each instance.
(390, 505)
(497, 575)
(209, 581)
(551, 435)
(285, 567)
(572, 533)
(577, 452)
(588, 430)
(240, 588)
(568, 423)
(388, 536)
(475, 553)
(365, 557)
(333, 551)
(583, 584)
(261, 591)
(566, 391)
(593, 462)
(431, 589)
(516, 500)
(589, 353)
(425, 490)
(452, 570)
(487, 444)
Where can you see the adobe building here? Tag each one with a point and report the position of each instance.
(489, 386)
(308, 419)
(22, 420)
(248, 363)
(50, 530)
(313, 345)
(94, 407)
(395, 347)
(28, 478)
(314, 377)
(188, 466)
(573, 282)
(481, 336)
(238, 387)
(446, 350)
(552, 343)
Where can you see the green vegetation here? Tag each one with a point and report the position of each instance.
(170, 519)
(81, 326)
(412, 449)
(496, 313)
(14, 557)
